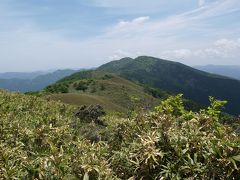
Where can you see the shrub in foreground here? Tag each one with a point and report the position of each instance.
(172, 143)
(38, 141)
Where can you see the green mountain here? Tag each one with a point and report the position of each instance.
(178, 78)
(109, 90)
(35, 84)
(225, 70)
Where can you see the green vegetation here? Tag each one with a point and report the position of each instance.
(42, 139)
(79, 99)
(95, 87)
(109, 90)
(82, 85)
(125, 129)
(57, 88)
(155, 92)
(178, 78)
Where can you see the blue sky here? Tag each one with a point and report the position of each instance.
(50, 34)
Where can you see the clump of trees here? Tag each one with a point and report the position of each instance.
(38, 141)
(107, 76)
(155, 92)
(57, 88)
(83, 85)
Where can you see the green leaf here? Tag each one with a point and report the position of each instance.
(236, 158)
(86, 176)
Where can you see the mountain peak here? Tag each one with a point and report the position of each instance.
(178, 78)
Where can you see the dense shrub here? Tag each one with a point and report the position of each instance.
(83, 84)
(102, 87)
(57, 88)
(155, 92)
(39, 141)
(172, 143)
(107, 76)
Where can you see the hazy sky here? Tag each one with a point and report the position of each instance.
(49, 34)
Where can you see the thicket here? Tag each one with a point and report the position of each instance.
(57, 88)
(155, 92)
(82, 85)
(38, 140)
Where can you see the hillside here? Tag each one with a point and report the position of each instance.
(178, 78)
(94, 87)
(42, 139)
(230, 71)
(32, 84)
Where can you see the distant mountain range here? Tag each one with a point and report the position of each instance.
(178, 78)
(230, 71)
(113, 84)
(23, 75)
(35, 81)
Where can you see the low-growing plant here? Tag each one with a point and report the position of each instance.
(172, 143)
(39, 140)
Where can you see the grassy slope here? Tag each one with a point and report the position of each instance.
(110, 91)
(86, 99)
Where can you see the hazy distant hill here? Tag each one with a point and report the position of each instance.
(230, 71)
(179, 78)
(32, 84)
(23, 75)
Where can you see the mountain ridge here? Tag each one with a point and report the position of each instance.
(35, 84)
(179, 78)
(96, 87)
(232, 71)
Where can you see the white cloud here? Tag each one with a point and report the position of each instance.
(118, 54)
(189, 37)
(216, 8)
(132, 6)
(201, 3)
(186, 23)
(134, 22)
(177, 54)
(222, 51)
(29, 50)
(227, 44)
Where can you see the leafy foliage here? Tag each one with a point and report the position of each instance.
(39, 140)
(82, 85)
(172, 143)
(57, 88)
(155, 92)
